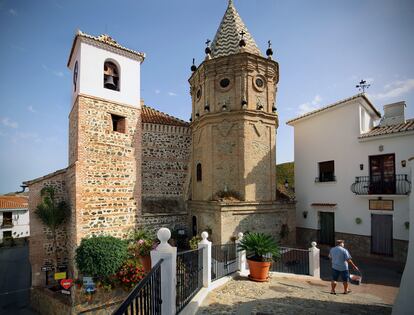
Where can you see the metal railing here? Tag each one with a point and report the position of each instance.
(325, 178)
(145, 298)
(223, 260)
(292, 260)
(381, 185)
(189, 276)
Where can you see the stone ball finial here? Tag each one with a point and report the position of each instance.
(240, 236)
(204, 235)
(313, 244)
(163, 235)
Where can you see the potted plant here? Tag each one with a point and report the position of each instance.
(261, 249)
(142, 242)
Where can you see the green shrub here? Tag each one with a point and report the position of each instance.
(101, 256)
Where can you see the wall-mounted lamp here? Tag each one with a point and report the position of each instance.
(286, 184)
(361, 166)
(381, 148)
(403, 163)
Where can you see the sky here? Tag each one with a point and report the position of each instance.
(323, 47)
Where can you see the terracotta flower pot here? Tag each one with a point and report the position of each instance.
(259, 270)
(146, 262)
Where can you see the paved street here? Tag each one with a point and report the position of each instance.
(14, 281)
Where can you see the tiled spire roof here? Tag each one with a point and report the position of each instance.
(226, 41)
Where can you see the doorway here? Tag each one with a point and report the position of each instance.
(382, 174)
(381, 234)
(327, 228)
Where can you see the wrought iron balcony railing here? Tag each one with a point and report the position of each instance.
(381, 185)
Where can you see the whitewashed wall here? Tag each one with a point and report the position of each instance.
(20, 227)
(333, 135)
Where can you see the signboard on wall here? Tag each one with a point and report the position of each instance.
(381, 205)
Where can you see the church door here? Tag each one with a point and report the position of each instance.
(381, 234)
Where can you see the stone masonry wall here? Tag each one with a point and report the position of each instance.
(41, 241)
(165, 161)
(108, 168)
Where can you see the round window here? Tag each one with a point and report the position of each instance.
(224, 83)
(259, 82)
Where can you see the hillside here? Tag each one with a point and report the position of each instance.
(286, 171)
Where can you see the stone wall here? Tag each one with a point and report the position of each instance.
(227, 219)
(41, 241)
(165, 161)
(108, 168)
(358, 245)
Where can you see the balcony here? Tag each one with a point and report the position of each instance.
(382, 185)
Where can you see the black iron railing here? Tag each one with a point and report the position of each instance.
(145, 298)
(189, 276)
(223, 260)
(292, 260)
(325, 178)
(382, 185)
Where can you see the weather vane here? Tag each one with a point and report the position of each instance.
(363, 85)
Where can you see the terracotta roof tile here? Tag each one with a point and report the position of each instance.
(386, 130)
(152, 116)
(13, 202)
(335, 104)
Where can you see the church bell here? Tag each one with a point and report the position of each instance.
(109, 82)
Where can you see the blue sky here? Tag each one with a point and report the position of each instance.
(323, 48)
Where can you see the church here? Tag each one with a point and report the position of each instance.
(131, 166)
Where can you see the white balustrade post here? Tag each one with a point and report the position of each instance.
(168, 270)
(241, 260)
(314, 261)
(205, 244)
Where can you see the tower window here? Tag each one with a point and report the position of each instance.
(111, 76)
(118, 123)
(199, 172)
(224, 83)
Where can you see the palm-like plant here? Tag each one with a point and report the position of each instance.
(52, 213)
(259, 246)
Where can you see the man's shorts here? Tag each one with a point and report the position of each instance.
(344, 275)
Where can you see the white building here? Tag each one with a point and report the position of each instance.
(14, 217)
(352, 179)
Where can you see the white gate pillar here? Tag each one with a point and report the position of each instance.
(205, 244)
(168, 270)
(241, 257)
(314, 261)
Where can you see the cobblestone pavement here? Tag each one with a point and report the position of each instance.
(296, 295)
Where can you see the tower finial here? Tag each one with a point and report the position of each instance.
(230, 3)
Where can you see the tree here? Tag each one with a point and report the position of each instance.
(52, 213)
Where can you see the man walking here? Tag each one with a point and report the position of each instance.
(340, 258)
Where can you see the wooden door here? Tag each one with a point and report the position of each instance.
(382, 174)
(327, 228)
(381, 234)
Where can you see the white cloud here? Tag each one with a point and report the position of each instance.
(59, 74)
(310, 106)
(30, 108)
(13, 12)
(172, 94)
(7, 122)
(157, 91)
(395, 89)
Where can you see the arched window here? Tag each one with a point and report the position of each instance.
(199, 172)
(111, 76)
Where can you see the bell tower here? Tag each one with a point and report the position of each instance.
(104, 137)
(234, 122)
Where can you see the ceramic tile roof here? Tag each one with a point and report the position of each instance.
(362, 95)
(323, 204)
(13, 202)
(152, 116)
(226, 41)
(105, 39)
(392, 129)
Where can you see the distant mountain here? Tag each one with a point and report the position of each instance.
(285, 171)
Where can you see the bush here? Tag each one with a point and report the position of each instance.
(130, 274)
(101, 256)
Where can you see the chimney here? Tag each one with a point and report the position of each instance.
(393, 114)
